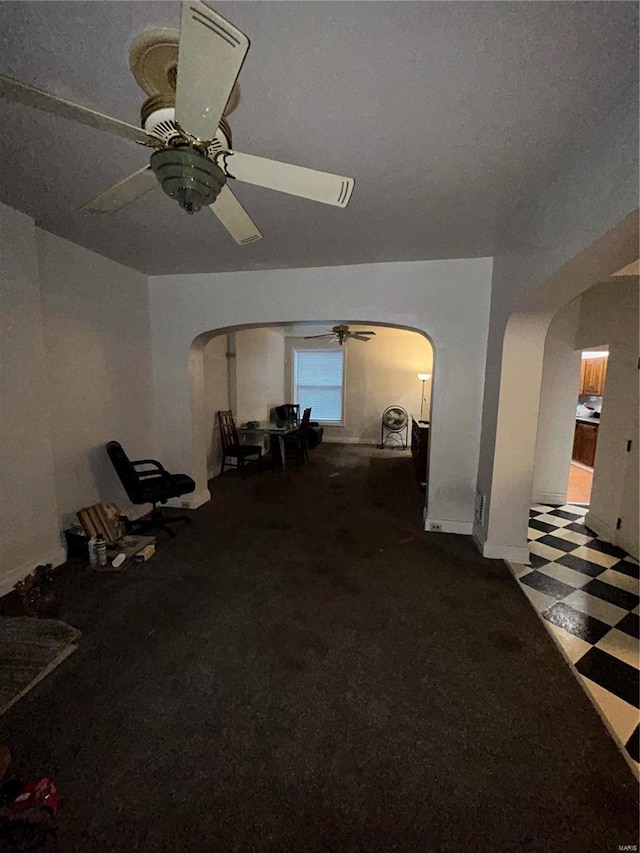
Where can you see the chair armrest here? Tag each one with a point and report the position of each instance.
(153, 475)
(157, 471)
(153, 462)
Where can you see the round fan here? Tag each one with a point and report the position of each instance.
(394, 420)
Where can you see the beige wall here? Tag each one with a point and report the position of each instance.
(609, 314)
(216, 396)
(379, 373)
(259, 372)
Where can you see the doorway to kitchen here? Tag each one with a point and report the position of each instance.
(593, 371)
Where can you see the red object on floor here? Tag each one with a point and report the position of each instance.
(43, 794)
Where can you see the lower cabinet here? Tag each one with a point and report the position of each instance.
(420, 450)
(584, 443)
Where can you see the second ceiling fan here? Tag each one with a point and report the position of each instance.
(341, 333)
(185, 120)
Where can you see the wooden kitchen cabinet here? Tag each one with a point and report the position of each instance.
(585, 440)
(592, 375)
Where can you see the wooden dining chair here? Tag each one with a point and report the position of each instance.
(289, 412)
(233, 449)
(296, 443)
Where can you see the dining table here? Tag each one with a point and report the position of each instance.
(275, 429)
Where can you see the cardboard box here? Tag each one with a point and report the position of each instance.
(145, 553)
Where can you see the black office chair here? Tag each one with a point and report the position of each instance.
(152, 485)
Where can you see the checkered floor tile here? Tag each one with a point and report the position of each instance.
(589, 593)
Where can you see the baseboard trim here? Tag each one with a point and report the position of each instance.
(604, 530)
(509, 553)
(57, 556)
(553, 498)
(443, 525)
(478, 538)
(610, 534)
(338, 440)
(512, 553)
(192, 501)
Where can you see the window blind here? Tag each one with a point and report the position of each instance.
(318, 378)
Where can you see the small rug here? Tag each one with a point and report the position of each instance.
(29, 650)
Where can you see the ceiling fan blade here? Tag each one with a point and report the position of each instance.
(13, 90)
(286, 178)
(123, 192)
(308, 337)
(359, 337)
(210, 56)
(235, 218)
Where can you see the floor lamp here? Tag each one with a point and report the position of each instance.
(423, 377)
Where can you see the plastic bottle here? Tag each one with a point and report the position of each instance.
(101, 550)
(93, 552)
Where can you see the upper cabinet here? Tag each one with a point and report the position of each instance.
(592, 376)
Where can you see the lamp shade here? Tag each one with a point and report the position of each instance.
(424, 376)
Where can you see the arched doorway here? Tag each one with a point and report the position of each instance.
(503, 530)
(249, 369)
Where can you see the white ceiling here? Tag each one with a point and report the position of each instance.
(444, 112)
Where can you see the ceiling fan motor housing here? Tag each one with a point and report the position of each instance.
(158, 119)
(191, 178)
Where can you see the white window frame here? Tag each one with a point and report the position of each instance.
(316, 346)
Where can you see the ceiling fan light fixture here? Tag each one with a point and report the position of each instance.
(190, 78)
(191, 179)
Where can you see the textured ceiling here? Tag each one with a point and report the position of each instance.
(444, 112)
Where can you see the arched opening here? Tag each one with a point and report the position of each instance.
(249, 369)
(502, 532)
(580, 566)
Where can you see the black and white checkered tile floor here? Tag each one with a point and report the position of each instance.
(588, 592)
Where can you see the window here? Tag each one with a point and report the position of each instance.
(318, 379)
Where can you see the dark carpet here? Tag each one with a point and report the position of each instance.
(303, 669)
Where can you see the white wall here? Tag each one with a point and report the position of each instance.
(216, 397)
(609, 314)
(259, 368)
(580, 230)
(605, 314)
(379, 373)
(29, 532)
(98, 354)
(557, 413)
(76, 372)
(447, 300)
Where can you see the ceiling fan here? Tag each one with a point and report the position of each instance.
(184, 118)
(341, 333)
